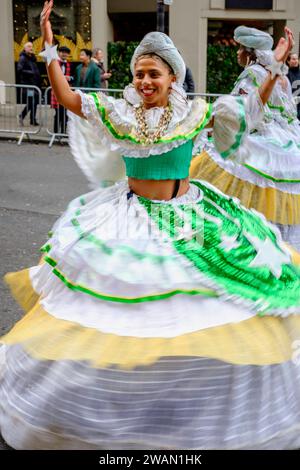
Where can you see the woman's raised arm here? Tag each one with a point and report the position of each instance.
(65, 96)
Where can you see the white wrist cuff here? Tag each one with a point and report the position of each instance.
(49, 54)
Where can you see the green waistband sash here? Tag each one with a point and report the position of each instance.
(174, 164)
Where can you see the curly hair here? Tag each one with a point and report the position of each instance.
(251, 56)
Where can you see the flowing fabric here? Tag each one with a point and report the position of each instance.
(154, 324)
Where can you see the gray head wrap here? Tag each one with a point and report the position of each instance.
(161, 45)
(253, 38)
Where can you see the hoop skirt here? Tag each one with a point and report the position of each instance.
(155, 325)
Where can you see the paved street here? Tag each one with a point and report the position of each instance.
(36, 183)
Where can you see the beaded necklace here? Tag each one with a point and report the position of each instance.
(145, 136)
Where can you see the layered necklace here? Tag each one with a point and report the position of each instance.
(144, 134)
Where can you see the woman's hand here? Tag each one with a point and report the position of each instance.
(60, 86)
(284, 46)
(45, 24)
(281, 53)
(106, 75)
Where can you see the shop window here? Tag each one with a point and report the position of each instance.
(71, 24)
(249, 4)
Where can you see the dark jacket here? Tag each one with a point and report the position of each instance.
(28, 71)
(294, 77)
(92, 76)
(189, 85)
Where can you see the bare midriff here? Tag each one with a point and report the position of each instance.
(158, 189)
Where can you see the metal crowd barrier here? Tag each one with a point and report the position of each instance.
(55, 116)
(210, 97)
(20, 110)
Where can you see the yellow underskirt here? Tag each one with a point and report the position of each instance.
(277, 206)
(258, 341)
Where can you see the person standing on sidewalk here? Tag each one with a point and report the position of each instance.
(294, 78)
(87, 74)
(29, 74)
(189, 84)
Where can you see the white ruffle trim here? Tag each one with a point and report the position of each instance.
(246, 174)
(102, 166)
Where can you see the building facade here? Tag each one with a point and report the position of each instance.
(192, 24)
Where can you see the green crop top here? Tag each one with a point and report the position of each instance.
(174, 164)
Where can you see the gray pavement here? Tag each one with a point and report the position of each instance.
(36, 184)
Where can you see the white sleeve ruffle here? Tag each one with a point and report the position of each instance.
(234, 118)
(115, 125)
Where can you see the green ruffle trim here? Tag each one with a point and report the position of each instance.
(269, 177)
(125, 300)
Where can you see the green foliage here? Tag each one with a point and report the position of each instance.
(222, 68)
(119, 56)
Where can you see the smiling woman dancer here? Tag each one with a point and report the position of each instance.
(140, 333)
